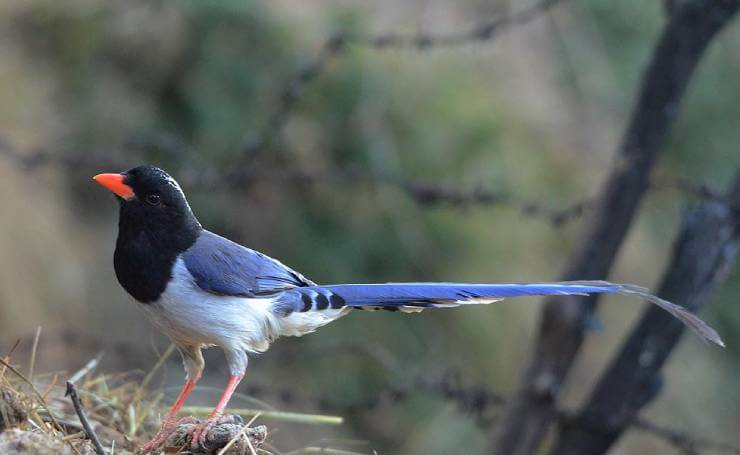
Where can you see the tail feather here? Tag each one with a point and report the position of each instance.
(412, 297)
(690, 320)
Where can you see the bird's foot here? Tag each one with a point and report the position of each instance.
(200, 431)
(164, 432)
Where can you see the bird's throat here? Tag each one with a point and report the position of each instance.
(145, 255)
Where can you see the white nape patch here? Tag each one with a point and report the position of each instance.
(173, 183)
(193, 317)
(169, 180)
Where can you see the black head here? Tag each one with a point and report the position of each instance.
(155, 225)
(150, 199)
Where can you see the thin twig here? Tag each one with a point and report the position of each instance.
(8, 356)
(311, 419)
(72, 394)
(34, 348)
(51, 386)
(243, 431)
(246, 437)
(87, 368)
(325, 450)
(35, 391)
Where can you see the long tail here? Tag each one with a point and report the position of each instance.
(412, 297)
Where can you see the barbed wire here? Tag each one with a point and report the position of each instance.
(337, 45)
(425, 194)
(475, 400)
(291, 94)
(26, 162)
(483, 31)
(683, 441)
(478, 400)
(482, 403)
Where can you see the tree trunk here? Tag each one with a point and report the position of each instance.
(691, 27)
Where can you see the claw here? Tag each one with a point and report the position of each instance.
(154, 444)
(161, 437)
(200, 431)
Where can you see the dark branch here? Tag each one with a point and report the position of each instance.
(72, 394)
(703, 254)
(683, 41)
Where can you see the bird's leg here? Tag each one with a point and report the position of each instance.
(201, 431)
(193, 362)
(171, 420)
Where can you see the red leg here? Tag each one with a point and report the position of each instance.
(169, 422)
(181, 398)
(199, 435)
(230, 388)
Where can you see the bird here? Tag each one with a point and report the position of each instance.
(204, 290)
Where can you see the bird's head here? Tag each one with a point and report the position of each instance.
(150, 199)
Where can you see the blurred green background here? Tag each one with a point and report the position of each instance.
(535, 114)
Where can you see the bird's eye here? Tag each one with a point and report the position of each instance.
(152, 199)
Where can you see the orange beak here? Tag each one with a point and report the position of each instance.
(114, 183)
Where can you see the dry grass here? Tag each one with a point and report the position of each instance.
(37, 418)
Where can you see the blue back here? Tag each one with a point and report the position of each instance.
(223, 267)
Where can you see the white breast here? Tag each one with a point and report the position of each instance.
(193, 317)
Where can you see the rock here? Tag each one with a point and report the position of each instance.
(20, 442)
(11, 410)
(218, 437)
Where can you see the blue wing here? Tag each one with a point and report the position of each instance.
(220, 266)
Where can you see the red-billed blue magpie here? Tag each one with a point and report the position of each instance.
(204, 290)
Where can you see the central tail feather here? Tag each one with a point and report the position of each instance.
(411, 297)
